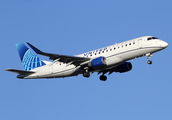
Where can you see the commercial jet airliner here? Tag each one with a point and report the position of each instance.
(104, 60)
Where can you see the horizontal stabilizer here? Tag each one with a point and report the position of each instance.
(21, 72)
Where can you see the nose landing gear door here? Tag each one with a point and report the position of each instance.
(140, 43)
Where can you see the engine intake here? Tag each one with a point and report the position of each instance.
(97, 62)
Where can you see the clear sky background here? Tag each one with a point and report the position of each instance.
(72, 27)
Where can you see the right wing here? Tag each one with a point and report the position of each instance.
(62, 58)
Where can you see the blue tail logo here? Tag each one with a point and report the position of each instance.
(28, 58)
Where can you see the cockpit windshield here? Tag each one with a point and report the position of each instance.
(151, 38)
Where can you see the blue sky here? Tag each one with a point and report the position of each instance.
(75, 26)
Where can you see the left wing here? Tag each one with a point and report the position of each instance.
(62, 58)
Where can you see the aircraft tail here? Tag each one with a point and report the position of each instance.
(28, 58)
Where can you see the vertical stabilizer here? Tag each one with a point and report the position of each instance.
(28, 58)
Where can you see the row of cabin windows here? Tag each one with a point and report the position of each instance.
(100, 52)
(104, 51)
(111, 49)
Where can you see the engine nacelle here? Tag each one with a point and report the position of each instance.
(124, 67)
(97, 62)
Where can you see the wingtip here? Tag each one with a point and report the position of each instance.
(34, 48)
(28, 43)
(7, 69)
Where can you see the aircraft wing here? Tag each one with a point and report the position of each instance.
(62, 58)
(21, 72)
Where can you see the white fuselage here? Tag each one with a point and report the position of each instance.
(114, 54)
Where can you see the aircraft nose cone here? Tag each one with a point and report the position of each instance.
(164, 44)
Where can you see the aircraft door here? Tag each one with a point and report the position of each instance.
(51, 68)
(140, 43)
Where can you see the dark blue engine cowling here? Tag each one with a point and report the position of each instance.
(124, 67)
(100, 61)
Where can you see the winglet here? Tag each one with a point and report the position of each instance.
(35, 49)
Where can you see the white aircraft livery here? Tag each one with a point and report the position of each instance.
(104, 60)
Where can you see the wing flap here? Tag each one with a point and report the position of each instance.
(21, 72)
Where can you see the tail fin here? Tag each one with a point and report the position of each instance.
(28, 58)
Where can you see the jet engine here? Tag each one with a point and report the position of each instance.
(124, 67)
(97, 62)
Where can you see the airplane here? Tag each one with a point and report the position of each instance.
(104, 60)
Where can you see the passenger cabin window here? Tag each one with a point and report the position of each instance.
(152, 38)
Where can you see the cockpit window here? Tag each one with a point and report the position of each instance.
(155, 38)
(151, 38)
